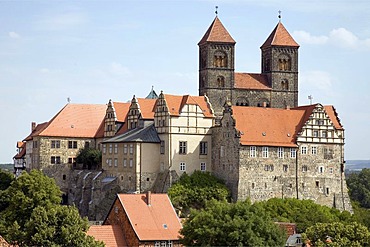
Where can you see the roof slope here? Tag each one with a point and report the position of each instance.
(280, 37)
(147, 134)
(175, 104)
(147, 107)
(121, 110)
(111, 235)
(251, 81)
(36, 131)
(262, 126)
(157, 221)
(217, 33)
(76, 120)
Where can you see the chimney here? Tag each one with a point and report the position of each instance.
(264, 104)
(287, 107)
(148, 198)
(33, 126)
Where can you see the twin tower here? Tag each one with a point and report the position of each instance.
(277, 84)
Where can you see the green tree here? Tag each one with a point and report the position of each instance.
(359, 187)
(31, 210)
(89, 157)
(231, 224)
(6, 178)
(304, 213)
(195, 190)
(338, 234)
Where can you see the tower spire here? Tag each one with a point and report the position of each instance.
(216, 12)
(279, 16)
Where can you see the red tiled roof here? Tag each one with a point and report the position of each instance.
(157, 221)
(20, 144)
(36, 131)
(20, 154)
(262, 126)
(251, 81)
(112, 236)
(217, 33)
(147, 107)
(280, 37)
(175, 103)
(121, 110)
(76, 120)
(330, 110)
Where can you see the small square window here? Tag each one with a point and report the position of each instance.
(203, 166)
(182, 166)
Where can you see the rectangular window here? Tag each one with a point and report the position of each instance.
(303, 150)
(292, 153)
(131, 148)
(331, 170)
(71, 161)
(203, 166)
(324, 133)
(125, 148)
(222, 151)
(131, 162)
(162, 147)
(104, 148)
(182, 166)
(34, 144)
(55, 160)
(115, 148)
(87, 144)
(315, 133)
(203, 150)
(285, 168)
(110, 148)
(182, 147)
(110, 162)
(72, 144)
(328, 153)
(321, 169)
(265, 152)
(115, 162)
(252, 151)
(124, 162)
(55, 144)
(314, 150)
(281, 152)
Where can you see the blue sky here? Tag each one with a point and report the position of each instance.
(93, 51)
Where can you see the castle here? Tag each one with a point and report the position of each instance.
(244, 128)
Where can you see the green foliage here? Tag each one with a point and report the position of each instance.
(31, 214)
(5, 179)
(359, 187)
(340, 235)
(304, 213)
(361, 215)
(89, 156)
(231, 224)
(195, 190)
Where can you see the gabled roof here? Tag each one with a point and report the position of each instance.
(175, 103)
(152, 94)
(261, 126)
(21, 154)
(333, 115)
(121, 110)
(75, 120)
(251, 81)
(20, 144)
(36, 131)
(280, 37)
(155, 221)
(112, 236)
(146, 134)
(147, 107)
(217, 33)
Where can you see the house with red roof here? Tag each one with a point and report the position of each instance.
(142, 219)
(264, 153)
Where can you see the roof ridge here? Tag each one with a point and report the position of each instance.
(280, 37)
(217, 33)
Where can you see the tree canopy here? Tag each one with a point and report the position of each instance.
(304, 213)
(31, 214)
(359, 187)
(231, 224)
(338, 234)
(89, 157)
(5, 179)
(195, 190)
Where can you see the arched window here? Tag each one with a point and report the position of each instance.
(220, 81)
(242, 101)
(284, 84)
(220, 59)
(263, 103)
(284, 62)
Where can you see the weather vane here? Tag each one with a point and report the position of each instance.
(279, 16)
(310, 97)
(216, 12)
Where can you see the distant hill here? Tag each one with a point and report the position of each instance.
(357, 164)
(6, 167)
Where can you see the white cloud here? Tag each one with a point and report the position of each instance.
(14, 35)
(340, 37)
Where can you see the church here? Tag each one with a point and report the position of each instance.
(245, 128)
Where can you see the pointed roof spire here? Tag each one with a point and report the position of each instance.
(152, 94)
(280, 37)
(217, 33)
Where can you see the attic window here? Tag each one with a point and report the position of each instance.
(165, 226)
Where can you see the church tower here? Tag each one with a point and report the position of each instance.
(216, 65)
(280, 64)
